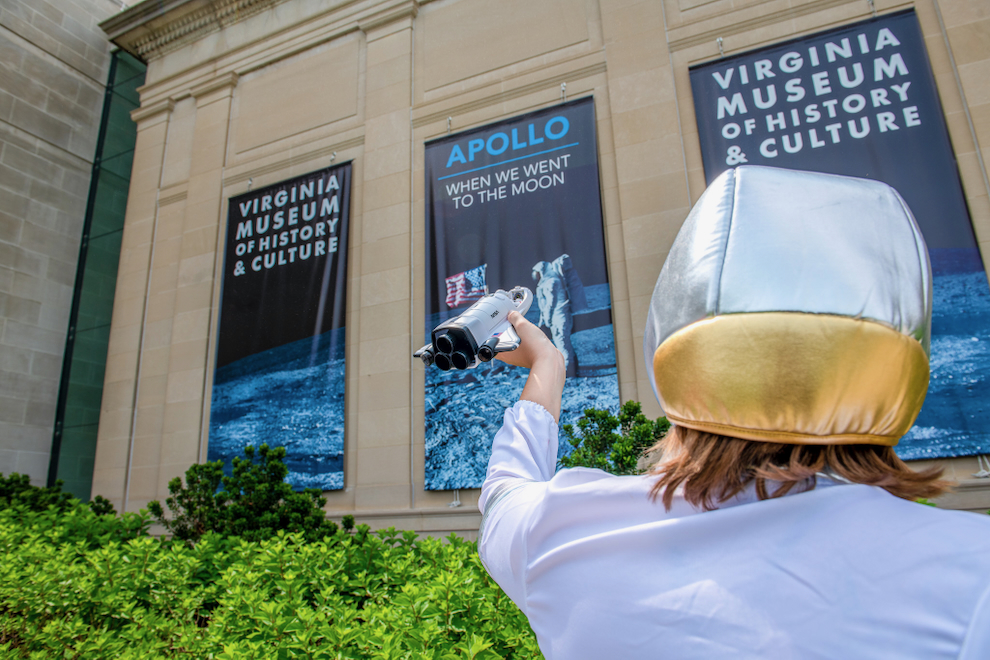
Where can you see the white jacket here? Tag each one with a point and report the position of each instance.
(841, 571)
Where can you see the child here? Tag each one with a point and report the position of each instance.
(787, 340)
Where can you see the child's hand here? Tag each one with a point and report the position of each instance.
(533, 347)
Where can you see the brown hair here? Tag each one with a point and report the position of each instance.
(714, 468)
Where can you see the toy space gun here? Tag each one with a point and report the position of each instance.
(476, 335)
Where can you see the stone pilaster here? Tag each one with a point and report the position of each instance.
(382, 471)
(127, 328)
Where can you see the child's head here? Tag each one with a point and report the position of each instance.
(794, 309)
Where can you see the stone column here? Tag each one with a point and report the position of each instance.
(195, 255)
(382, 470)
(120, 391)
(956, 38)
(649, 161)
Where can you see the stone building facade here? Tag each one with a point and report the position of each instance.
(251, 92)
(53, 73)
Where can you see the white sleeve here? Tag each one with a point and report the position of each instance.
(524, 448)
(524, 458)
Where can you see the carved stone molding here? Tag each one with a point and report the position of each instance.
(149, 30)
(389, 14)
(220, 82)
(552, 82)
(145, 112)
(298, 159)
(172, 198)
(730, 27)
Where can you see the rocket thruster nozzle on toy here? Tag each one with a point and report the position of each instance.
(479, 333)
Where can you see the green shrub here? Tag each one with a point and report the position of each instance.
(253, 503)
(612, 443)
(65, 519)
(16, 491)
(363, 595)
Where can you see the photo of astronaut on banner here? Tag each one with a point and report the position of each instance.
(559, 293)
(515, 204)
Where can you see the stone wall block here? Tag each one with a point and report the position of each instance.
(196, 269)
(182, 416)
(46, 365)
(163, 279)
(185, 385)
(390, 159)
(56, 131)
(144, 458)
(381, 321)
(15, 360)
(124, 339)
(384, 430)
(976, 81)
(108, 482)
(157, 334)
(155, 361)
(150, 419)
(19, 85)
(193, 296)
(200, 241)
(188, 355)
(385, 286)
(384, 391)
(190, 326)
(18, 20)
(144, 485)
(33, 463)
(178, 452)
(152, 390)
(385, 465)
(385, 254)
(642, 273)
(29, 164)
(385, 222)
(26, 336)
(383, 355)
(60, 272)
(160, 305)
(386, 191)
(12, 411)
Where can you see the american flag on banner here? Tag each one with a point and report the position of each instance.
(466, 287)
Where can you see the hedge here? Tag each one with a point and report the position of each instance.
(77, 584)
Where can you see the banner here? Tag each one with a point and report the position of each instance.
(861, 101)
(280, 352)
(516, 203)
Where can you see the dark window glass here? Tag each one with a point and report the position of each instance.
(77, 416)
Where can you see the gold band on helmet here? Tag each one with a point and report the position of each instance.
(795, 378)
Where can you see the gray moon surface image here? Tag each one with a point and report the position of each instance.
(291, 396)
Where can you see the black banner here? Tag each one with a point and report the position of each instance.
(516, 203)
(861, 100)
(280, 371)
